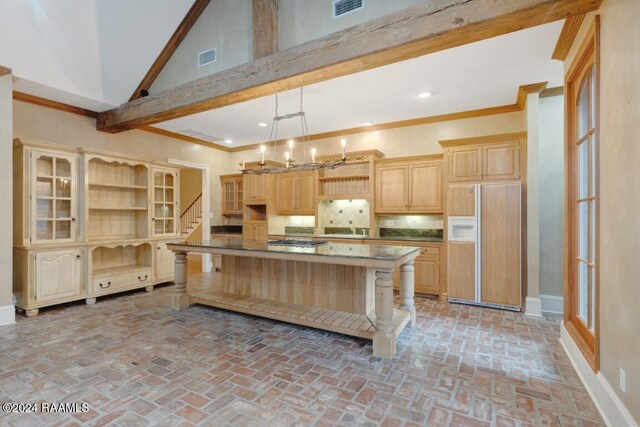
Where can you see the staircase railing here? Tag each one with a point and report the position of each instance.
(192, 216)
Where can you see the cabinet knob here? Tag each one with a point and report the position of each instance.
(78, 257)
(73, 220)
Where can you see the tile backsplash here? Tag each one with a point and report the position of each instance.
(412, 221)
(277, 224)
(343, 214)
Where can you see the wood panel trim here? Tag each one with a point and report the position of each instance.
(43, 102)
(4, 71)
(553, 91)
(395, 37)
(179, 34)
(483, 139)
(410, 159)
(181, 137)
(265, 28)
(503, 109)
(525, 90)
(567, 36)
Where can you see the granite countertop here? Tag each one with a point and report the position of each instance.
(338, 250)
(360, 237)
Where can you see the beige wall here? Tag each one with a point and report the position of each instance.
(412, 140)
(190, 187)
(302, 20)
(6, 178)
(225, 25)
(45, 124)
(619, 203)
(551, 173)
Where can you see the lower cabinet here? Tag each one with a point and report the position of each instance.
(426, 271)
(462, 267)
(254, 232)
(165, 263)
(47, 277)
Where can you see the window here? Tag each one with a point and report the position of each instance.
(582, 198)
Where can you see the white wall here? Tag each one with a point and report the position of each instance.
(412, 140)
(619, 195)
(225, 25)
(551, 171)
(7, 313)
(302, 20)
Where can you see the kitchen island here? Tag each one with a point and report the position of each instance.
(344, 288)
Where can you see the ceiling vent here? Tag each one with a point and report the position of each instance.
(199, 135)
(343, 7)
(207, 57)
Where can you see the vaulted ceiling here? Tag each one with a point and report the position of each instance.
(93, 53)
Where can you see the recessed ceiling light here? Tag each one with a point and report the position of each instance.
(424, 94)
(228, 141)
(262, 124)
(366, 124)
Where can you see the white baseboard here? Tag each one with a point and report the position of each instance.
(7, 315)
(612, 410)
(533, 307)
(552, 304)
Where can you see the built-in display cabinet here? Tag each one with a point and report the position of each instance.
(89, 223)
(232, 191)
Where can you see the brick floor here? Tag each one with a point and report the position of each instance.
(136, 363)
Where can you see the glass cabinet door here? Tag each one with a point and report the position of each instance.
(164, 202)
(53, 204)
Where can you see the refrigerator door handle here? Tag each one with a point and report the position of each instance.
(478, 250)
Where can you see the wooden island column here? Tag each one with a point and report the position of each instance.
(180, 297)
(407, 290)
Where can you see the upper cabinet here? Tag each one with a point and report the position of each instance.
(296, 193)
(45, 196)
(165, 202)
(487, 158)
(409, 186)
(232, 194)
(255, 189)
(53, 197)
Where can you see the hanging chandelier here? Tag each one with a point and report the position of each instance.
(284, 162)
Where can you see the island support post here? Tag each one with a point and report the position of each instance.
(407, 290)
(180, 297)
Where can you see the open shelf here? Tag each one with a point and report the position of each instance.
(120, 260)
(121, 186)
(255, 212)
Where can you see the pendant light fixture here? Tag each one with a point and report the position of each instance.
(283, 161)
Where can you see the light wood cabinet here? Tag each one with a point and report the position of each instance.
(427, 266)
(461, 200)
(58, 275)
(409, 186)
(86, 223)
(465, 164)
(296, 193)
(484, 161)
(254, 232)
(255, 189)
(45, 196)
(232, 194)
(45, 277)
(165, 202)
(164, 263)
(501, 161)
(461, 261)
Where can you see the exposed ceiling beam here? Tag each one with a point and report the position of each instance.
(525, 90)
(4, 71)
(181, 32)
(567, 36)
(265, 28)
(397, 36)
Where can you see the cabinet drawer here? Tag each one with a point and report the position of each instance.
(106, 284)
(430, 250)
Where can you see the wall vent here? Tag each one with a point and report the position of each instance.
(207, 57)
(343, 7)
